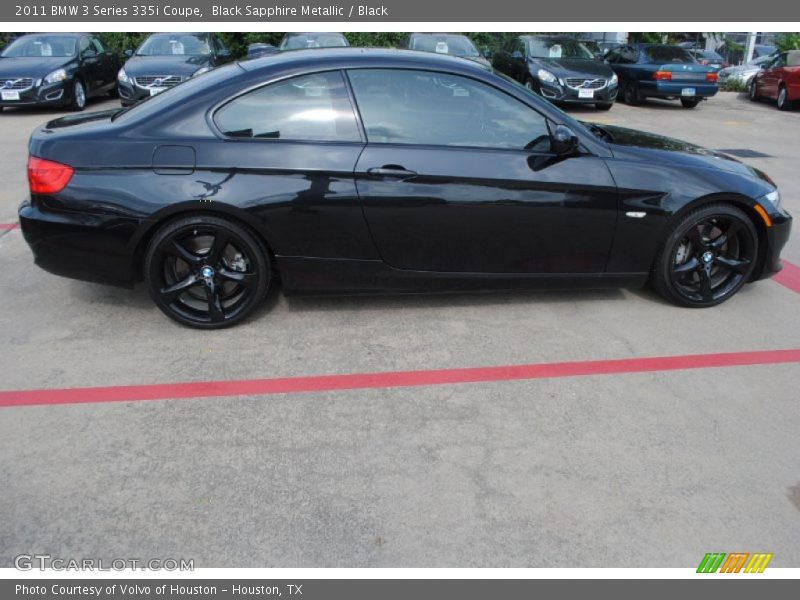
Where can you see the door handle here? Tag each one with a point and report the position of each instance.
(391, 172)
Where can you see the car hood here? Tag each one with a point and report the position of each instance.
(657, 147)
(36, 67)
(573, 67)
(142, 66)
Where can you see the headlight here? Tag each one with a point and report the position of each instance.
(546, 76)
(774, 198)
(123, 76)
(614, 79)
(201, 71)
(55, 76)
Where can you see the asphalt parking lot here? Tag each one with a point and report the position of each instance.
(623, 469)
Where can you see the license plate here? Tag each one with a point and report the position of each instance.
(688, 92)
(154, 91)
(10, 95)
(585, 93)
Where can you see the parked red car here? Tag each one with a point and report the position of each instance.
(779, 79)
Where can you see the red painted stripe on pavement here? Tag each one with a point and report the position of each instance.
(789, 276)
(321, 383)
(8, 226)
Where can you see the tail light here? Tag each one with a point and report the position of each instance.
(712, 77)
(662, 75)
(46, 176)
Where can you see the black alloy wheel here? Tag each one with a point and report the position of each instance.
(78, 102)
(707, 257)
(206, 272)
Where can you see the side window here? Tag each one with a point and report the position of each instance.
(85, 45)
(628, 55)
(98, 47)
(310, 107)
(612, 56)
(218, 45)
(519, 48)
(422, 107)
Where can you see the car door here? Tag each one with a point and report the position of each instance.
(107, 64)
(772, 76)
(91, 67)
(625, 58)
(458, 176)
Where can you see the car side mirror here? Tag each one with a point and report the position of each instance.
(224, 53)
(88, 53)
(128, 53)
(516, 54)
(564, 141)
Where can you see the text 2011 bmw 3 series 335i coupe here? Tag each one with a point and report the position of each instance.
(376, 171)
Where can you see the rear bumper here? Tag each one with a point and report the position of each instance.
(674, 89)
(91, 247)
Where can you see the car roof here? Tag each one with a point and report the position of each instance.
(340, 58)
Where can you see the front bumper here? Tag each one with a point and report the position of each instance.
(79, 245)
(777, 236)
(49, 94)
(556, 92)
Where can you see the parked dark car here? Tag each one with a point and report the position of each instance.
(661, 71)
(260, 49)
(779, 80)
(447, 43)
(560, 69)
(384, 171)
(304, 41)
(56, 69)
(709, 58)
(164, 60)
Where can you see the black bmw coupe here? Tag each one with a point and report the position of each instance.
(375, 171)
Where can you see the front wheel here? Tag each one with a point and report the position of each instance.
(604, 105)
(206, 272)
(783, 99)
(752, 90)
(78, 95)
(689, 103)
(707, 257)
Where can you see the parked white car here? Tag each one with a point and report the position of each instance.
(743, 73)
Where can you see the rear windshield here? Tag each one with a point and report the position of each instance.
(42, 45)
(668, 54)
(457, 45)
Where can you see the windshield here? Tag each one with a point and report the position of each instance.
(558, 48)
(172, 44)
(457, 45)
(322, 40)
(668, 54)
(42, 45)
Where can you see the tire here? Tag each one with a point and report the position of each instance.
(752, 90)
(78, 102)
(113, 92)
(708, 255)
(207, 272)
(631, 94)
(783, 101)
(604, 105)
(689, 103)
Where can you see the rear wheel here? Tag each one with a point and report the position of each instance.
(783, 99)
(631, 94)
(206, 272)
(707, 257)
(689, 103)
